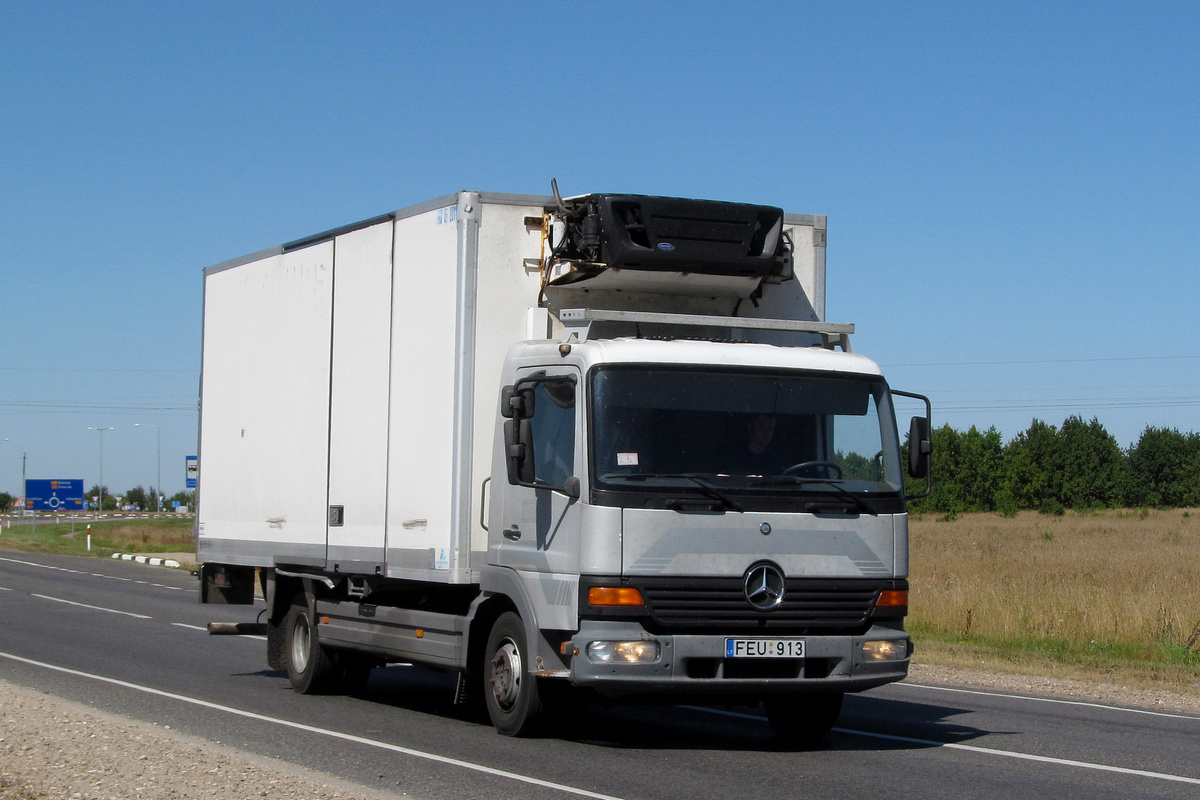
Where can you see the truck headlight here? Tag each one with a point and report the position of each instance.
(639, 652)
(885, 650)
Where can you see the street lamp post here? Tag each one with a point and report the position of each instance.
(6, 439)
(100, 504)
(158, 476)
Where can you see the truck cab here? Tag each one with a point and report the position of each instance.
(697, 519)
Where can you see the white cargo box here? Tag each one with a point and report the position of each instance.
(350, 383)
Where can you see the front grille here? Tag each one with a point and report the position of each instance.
(697, 605)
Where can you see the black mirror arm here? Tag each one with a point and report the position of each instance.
(921, 438)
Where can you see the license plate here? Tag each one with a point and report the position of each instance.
(764, 648)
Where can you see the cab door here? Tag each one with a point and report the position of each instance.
(540, 511)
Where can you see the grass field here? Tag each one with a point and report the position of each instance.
(168, 535)
(1111, 594)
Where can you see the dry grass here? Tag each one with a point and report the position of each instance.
(143, 537)
(162, 535)
(1104, 589)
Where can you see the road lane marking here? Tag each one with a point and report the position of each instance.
(346, 737)
(93, 574)
(1165, 776)
(1028, 757)
(85, 605)
(1085, 703)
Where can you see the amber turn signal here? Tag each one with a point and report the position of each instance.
(892, 597)
(614, 596)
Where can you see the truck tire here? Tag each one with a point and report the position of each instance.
(276, 646)
(310, 667)
(803, 719)
(511, 692)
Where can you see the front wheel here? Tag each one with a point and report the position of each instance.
(511, 692)
(803, 719)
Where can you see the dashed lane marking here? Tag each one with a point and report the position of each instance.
(93, 608)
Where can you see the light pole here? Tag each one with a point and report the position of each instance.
(158, 476)
(6, 441)
(100, 504)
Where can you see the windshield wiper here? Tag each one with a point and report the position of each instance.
(833, 483)
(706, 488)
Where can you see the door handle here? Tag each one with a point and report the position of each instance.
(512, 533)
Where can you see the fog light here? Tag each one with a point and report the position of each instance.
(885, 650)
(639, 652)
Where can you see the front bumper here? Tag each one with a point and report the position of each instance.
(696, 665)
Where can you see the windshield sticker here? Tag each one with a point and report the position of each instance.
(627, 459)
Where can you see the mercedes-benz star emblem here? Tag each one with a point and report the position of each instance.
(764, 586)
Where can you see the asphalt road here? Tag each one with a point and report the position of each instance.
(129, 639)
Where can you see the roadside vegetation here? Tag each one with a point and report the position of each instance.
(1076, 466)
(130, 535)
(1111, 595)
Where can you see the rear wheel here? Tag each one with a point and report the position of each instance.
(513, 701)
(803, 718)
(310, 667)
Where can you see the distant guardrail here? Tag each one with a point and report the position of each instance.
(87, 516)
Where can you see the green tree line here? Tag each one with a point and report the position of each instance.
(1078, 465)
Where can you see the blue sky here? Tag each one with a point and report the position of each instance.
(1012, 189)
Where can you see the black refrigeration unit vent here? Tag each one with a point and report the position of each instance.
(671, 234)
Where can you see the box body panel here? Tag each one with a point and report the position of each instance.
(350, 384)
(358, 406)
(265, 413)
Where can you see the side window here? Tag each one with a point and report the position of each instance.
(553, 432)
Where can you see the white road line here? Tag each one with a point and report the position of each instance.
(35, 564)
(1028, 757)
(408, 751)
(974, 749)
(1049, 700)
(85, 605)
(93, 574)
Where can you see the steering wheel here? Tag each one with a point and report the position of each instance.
(832, 466)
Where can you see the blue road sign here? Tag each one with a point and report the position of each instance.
(54, 495)
(193, 471)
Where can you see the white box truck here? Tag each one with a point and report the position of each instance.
(604, 445)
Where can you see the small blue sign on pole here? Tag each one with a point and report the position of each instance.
(54, 495)
(193, 471)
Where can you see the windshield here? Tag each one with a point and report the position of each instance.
(743, 440)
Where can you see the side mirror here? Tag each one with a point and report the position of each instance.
(518, 441)
(516, 402)
(920, 447)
